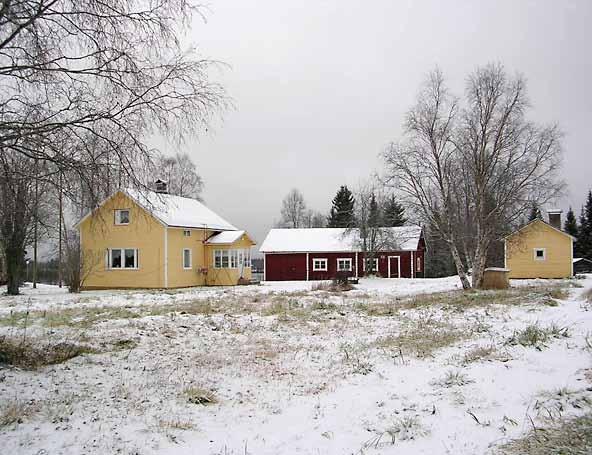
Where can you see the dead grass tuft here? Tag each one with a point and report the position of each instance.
(32, 354)
(536, 336)
(13, 412)
(198, 395)
(482, 353)
(422, 339)
(570, 436)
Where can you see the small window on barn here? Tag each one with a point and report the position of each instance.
(122, 217)
(186, 233)
(540, 254)
(186, 258)
(319, 265)
(419, 264)
(344, 265)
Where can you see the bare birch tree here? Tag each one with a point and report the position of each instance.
(471, 172)
(180, 173)
(293, 210)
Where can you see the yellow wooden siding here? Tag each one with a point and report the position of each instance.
(144, 233)
(177, 275)
(227, 276)
(520, 252)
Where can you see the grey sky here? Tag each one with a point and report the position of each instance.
(321, 87)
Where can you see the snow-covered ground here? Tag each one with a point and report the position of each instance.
(380, 369)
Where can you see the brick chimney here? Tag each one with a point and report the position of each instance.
(555, 218)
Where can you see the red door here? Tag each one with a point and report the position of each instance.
(394, 264)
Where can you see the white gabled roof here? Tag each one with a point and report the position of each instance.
(179, 211)
(327, 240)
(225, 238)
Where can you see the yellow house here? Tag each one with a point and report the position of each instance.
(157, 240)
(539, 250)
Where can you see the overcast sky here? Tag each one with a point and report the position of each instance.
(320, 88)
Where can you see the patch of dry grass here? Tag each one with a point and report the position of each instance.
(484, 353)
(34, 353)
(13, 412)
(421, 338)
(536, 336)
(570, 436)
(198, 395)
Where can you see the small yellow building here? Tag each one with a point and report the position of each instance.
(539, 250)
(157, 240)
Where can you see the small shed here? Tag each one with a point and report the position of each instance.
(582, 265)
(496, 278)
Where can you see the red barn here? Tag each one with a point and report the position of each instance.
(320, 253)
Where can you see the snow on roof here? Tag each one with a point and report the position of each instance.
(326, 240)
(179, 211)
(225, 238)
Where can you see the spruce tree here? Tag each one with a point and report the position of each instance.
(535, 212)
(374, 218)
(571, 227)
(585, 232)
(342, 209)
(393, 213)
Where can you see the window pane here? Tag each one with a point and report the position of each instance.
(115, 259)
(225, 259)
(124, 216)
(130, 259)
(217, 259)
(187, 258)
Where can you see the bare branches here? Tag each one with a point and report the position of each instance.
(471, 172)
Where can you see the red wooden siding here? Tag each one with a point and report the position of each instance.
(292, 266)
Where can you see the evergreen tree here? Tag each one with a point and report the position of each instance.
(393, 213)
(535, 212)
(585, 231)
(571, 227)
(374, 218)
(342, 209)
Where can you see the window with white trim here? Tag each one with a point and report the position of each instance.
(418, 268)
(319, 264)
(540, 254)
(233, 259)
(122, 258)
(186, 233)
(221, 259)
(344, 265)
(247, 258)
(122, 216)
(186, 258)
(366, 264)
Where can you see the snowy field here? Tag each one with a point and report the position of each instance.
(393, 366)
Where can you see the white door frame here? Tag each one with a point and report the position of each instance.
(398, 265)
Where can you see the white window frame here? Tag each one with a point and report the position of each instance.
(418, 264)
(247, 257)
(349, 260)
(323, 268)
(375, 264)
(122, 253)
(234, 259)
(118, 217)
(190, 259)
(536, 250)
(186, 233)
(223, 254)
